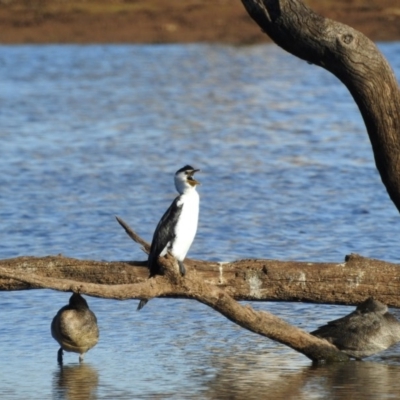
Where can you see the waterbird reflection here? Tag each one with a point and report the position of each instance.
(272, 376)
(364, 332)
(75, 382)
(357, 380)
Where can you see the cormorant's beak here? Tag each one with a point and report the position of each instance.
(191, 179)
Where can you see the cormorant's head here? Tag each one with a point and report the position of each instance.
(184, 179)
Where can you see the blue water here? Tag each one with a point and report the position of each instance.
(90, 132)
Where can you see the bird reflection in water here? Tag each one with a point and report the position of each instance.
(278, 375)
(75, 382)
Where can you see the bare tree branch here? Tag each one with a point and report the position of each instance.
(349, 282)
(136, 238)
(351, 57)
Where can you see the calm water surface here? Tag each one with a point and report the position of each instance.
(90, 132)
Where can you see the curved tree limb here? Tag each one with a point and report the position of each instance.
(352, 58)
(136, 238)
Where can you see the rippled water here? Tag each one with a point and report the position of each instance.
(90, 132)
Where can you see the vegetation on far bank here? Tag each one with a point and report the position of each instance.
(169, 21)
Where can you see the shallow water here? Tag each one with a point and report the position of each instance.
(90, 132)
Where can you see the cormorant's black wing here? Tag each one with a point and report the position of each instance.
(164, 233)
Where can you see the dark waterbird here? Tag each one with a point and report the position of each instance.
(364, 332)
(75, 327)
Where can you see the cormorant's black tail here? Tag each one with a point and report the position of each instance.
(142, 303)
(152, 265)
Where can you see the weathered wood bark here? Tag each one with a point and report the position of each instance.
(355, 60)
(350, 282)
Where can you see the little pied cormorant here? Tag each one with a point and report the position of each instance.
(177, 228)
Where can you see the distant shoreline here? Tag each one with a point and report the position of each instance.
(171, 21)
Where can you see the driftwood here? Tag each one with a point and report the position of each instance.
(37, 273)
(349, 282)
(356, 61)
(217, 285)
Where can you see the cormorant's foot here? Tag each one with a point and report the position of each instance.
(81, 357)
(60, 356)
(182, 269)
